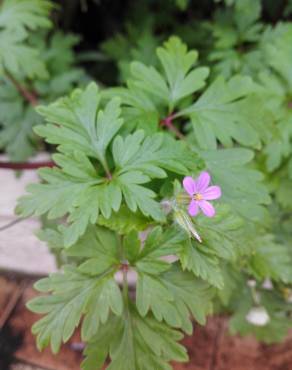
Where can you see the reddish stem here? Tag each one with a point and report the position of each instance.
(26, 165)
(167, 122)
(124, 267)
(28, 95)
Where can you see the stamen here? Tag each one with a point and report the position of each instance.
(198, 196)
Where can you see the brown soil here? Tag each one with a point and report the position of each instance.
(210, 348)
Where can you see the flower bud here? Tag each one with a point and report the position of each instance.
(185, 222)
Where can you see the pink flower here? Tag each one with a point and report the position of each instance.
(200, 192)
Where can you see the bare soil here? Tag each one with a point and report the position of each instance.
(210, 347)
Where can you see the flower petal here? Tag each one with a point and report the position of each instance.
(212, 192)
(207, 208)
(190, 185)
(203, 181)
(193, 208)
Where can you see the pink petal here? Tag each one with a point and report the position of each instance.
(203, 181)
(190, 185)
(212, 192)
(207, 208)
(193, 208)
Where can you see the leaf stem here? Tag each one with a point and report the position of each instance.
(11, 224)
(28, 95)
(167, 122)
(25, 165)
(107, 170)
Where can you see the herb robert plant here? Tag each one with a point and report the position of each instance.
(124, 197)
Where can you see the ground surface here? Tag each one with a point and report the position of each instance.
(19, 247)
(210, 348)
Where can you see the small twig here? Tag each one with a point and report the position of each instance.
(26, 165)
(11, 224)
(167, 122)
(11, 304)
(28, 95)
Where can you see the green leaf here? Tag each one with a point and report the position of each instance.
(242, 187)
(223, 234)
(150, 80)
(18, 58)
(74, 295)
(161, 243)
(16, 136)
(180, 78)
(80, 125)
(158, 244)
(151, 155)
(216, 115)
(81, 190)
(18, 16)
(177, 63)
(64, 194)
(172, 296)
(137, 196)
(284, 193)
(134, 343)
(277, 50)
(270, 259)
(196, 258)
(52, 237)
(124, 221)
(100, 247)
(139, 111)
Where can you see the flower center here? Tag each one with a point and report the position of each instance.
(197, 196)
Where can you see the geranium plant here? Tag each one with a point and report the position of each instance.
(128, 185)
(36, 65)
(166, 194)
